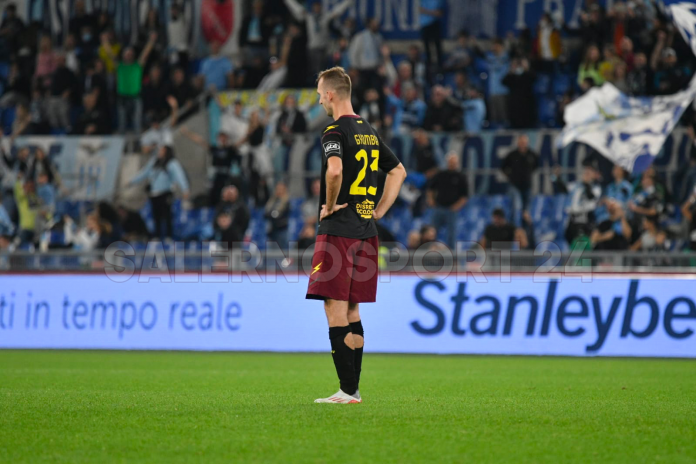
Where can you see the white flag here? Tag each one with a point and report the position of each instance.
(630, 131)
(684, 16)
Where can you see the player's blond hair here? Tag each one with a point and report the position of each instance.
(337, 80)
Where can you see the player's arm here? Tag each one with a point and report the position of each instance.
(396, 173)
(332, 145)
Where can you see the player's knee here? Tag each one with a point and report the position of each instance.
(349, 341)
(358, 340)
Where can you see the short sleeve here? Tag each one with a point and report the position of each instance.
(332, 143)
(387, 158)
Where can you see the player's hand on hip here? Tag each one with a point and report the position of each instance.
(377, 214)
(325, 211)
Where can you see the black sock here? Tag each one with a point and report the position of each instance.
(343, 358)
(357, 329)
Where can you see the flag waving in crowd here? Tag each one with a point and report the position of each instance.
(630, 131)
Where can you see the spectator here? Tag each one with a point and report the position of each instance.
(216, 68)
(28, 206)
(225, 231)
(177, 37)
(370, 110)
(593, 29)
(431, 12)
(6, 225)
(297, 60)
(474, 111)
(48, 196)
(549, 46)
(639, 79)
(23, 123)
(42, 164)
(93, 120)
(317, 23)
(80, 18)
(255, 33)
(619, 78)
(233, 122)
(590, 67)
(521, 100)
(498, 66)
(428, 239)
(18, 88)
(307, 237)
(652, 238)
(93, 236)
(94, 82)
(365, 53)
(626, 53)
(519, 166)
(649, 198)
(670, 77)
(109, 51)
(72, 60)
(63, 87)
(339, 54)
(502, 235)
(277, 213)
(46, 62)
(11, 28)
(181, 89)
(154, 95)
(611, 60)
(418, 70)
(225, 162)
(620, 189)
(87, 45)
(404, 78)
(411, 110)
(278, 69)
(163, 171)
(413, 240)
(160, 134)
(291, 120)
(233, 205)
(132, 225)
(310, 206)
(688, 210)
(447, 193)
(150, 26)
(129, 86)
(584, 198)
(424, 153)
(460, 58)
(442, 115)
(258, 162)
(614, 233)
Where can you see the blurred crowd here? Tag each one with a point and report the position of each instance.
(94, 83)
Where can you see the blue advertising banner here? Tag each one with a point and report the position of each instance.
(523, 316)
(88, 166)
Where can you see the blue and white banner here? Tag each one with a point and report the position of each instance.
(683, 15)
(88, 166)
(523, 316)
(630, 131)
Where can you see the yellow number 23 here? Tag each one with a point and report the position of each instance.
(355, 188)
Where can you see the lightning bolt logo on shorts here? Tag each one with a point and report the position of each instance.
(316, 268)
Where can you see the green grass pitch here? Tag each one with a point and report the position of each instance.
(244, 407)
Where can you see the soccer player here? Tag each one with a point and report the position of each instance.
(345, 261)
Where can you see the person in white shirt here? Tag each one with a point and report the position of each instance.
(177, 35)
(365, 53)
(317, 22)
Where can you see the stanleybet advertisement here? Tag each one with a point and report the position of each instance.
(605, 317)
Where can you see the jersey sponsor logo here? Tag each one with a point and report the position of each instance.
(365, 208)
(332, 147)
(329, 128)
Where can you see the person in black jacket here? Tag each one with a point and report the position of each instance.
(255, 32)
(519, 166)
(93, 121)
(291, 120)
(441, 114)
(522, 108)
